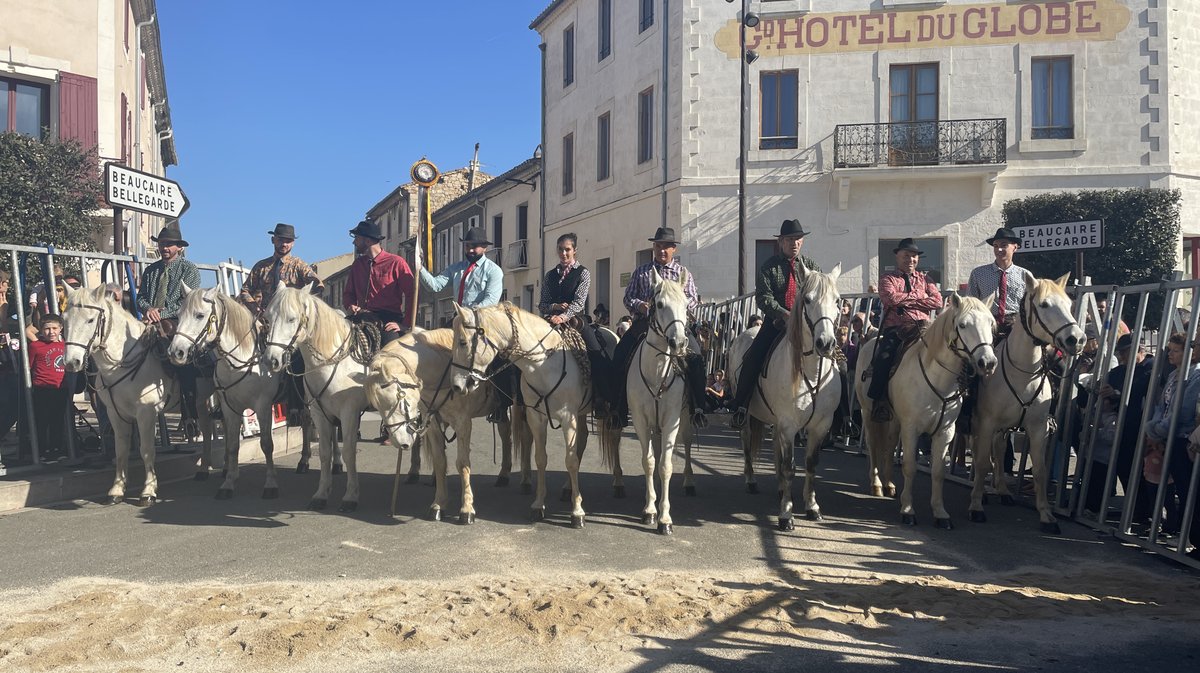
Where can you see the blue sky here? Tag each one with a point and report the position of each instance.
(310, 112)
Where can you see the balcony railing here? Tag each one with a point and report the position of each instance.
(494, 255)
(517, 255)
(933, 143)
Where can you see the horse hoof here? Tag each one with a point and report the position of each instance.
(502, 481)
(787, 524)
(302, 468)
(1007, 500)
(666, 529)
(466, 518)
(689, 490)
(526, 489)
(146, 501)
(877, 492)
(537, 514)
(1051, 528)
(813, 515)
(908, 519)
(649, 519)
(114, 500)
(944, 524)
(977, 516)
(201, 476)
(752, 488)
(317, 504)
(224, 494)
(412, 478)
(435, 514)
(619, 491)
(337, 468)
(576, 521)
(271, 493)
(348, 507)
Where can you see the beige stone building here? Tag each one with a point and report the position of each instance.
(92, 71)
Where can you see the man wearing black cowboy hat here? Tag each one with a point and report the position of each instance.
(907, 298)
(1001, 280)
(379, 285)
(637, 300)
(281, 269)
(775, 292)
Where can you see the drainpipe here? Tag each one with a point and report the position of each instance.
(137, 127)
(542, 177)
(666, 105)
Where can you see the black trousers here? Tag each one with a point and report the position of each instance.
(752, 365)
(886, 349)
(1180, 470)
(623, 359)
(50, 409)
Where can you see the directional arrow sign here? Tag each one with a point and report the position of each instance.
(143, 192)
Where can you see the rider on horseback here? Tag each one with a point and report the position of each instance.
(1001, 279)
(379, 284)
(908, 298)
(637, 300)
(775, 291)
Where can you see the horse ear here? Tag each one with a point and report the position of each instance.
(97, 293)
(955, 301)
(1030, 281)
(1062, 280)
(836, 271)
(186, 290)
(991, 301)
(655, 280)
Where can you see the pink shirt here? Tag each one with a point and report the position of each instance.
(902, 306)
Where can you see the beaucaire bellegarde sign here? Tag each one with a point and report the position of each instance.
(1083, 235)
(945, 26)
(125, 187)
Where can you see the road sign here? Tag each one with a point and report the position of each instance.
(125, 187)
(1083, 235)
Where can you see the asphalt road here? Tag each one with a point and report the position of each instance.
(724, 531)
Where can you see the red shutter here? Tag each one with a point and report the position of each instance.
(124, 130)
(78, 109)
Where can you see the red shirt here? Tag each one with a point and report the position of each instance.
(903, 305)
(46, 363)
(382, 284)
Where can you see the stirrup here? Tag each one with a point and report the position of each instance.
(739, 418)
(498, 416)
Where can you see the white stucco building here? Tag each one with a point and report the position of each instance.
(868, 120)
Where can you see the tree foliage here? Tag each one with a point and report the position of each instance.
(1141, 236)
(48, 192)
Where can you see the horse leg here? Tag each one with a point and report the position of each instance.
(614, 439)
(233, 424)
(523, 438)
(538, 508)
(462, 462)
(647, 438)
(785, 438)
(506, 445)
(871, 434)
(306, 428)
(940, 442)
(414, 462)
(999, 476)
(687, 436)
(338, 462)
(812, 457)
(350, 455)
(123, 437)
(581, 439)
(666, 467)
(147, 417)
(325, 440)
(571, 436)
(207, 433)
(266, 442)
(1037, 436)
(885, 456)
(981, 464)
(435, 439)
(751, 435)
(908, 447)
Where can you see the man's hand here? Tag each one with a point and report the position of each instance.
(1106, 391)
(355, 309)
(643, 307)
(557, 320)
(391, 327)
(563, 306)
(152, 316)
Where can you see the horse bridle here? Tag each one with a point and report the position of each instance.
(101, 331)
(415, 425)
(1037, 316)
(291, 344)
(479, 335)
(207, 332)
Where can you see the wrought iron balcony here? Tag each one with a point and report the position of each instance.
(517, 255)
(933, 143)
(494, 255)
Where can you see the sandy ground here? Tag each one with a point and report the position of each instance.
(547, 622)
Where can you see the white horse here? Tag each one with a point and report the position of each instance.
(801, 391)
(926, 396)
(333, 378)
(1020, 397)
(551, 382)
(656, 386)
(408, 382)
(130, 380)
(210, 319)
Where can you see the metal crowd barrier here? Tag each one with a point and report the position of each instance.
(94, 268)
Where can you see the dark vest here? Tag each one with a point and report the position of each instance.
(562, 290)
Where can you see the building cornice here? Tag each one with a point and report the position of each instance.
(145, 13)
(541, 18)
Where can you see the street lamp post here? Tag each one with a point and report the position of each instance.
(746, 19)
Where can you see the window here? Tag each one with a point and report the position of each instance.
(455, 247)
(24, 107)
(600, 283)
(1052, 93)
(568, 56)
(498, 231)
(933, 262)
(605, 24)
(568, 172)
(645, 15)
(522, 221)
(603, 170)
(645, 138)
(779, 113)
(913, 103)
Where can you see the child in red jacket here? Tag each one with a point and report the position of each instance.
(50, 398)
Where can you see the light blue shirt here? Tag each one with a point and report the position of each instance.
(1160, 419)
(484, 285)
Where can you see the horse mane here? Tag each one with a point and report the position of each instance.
(238, 319)
(1045, 289)
(442, 339)
(119, 314)
(819, 285)
(329, 328)
(495, 321)
(942, 329)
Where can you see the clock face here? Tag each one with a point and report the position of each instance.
(424, 172)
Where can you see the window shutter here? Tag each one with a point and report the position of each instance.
(78, 109)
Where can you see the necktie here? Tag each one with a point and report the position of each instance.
(1002, 302)
(565, 271)
(160, 291)
(789, 297)
(463, 284)
(275, 275)
(907, 283)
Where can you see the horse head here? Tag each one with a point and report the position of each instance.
(1046, 314)
(197, 328)
(816, 309)
(473, 350)
(968, 327)
(668, 312)
(88, 322)
(288, 325)
(395, 392)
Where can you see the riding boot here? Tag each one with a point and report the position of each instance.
(697, 380)
(501, 377)
(601, 395)
(751, 367)
(187, 408)
(881, 370)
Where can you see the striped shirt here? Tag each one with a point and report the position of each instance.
(174, 275)
(985, 283)
(638, 292)
(578, 303)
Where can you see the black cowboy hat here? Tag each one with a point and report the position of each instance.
(664, 235)
(476, 236)
(1005, 234)
(909, 245)
(368, 228)
(284, 231)
(792, 228)
(170, 234)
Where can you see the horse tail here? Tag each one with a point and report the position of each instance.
(610, 442)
